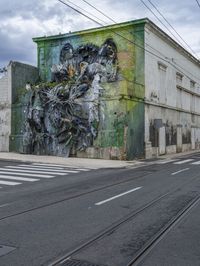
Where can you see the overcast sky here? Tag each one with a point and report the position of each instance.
(21, 20)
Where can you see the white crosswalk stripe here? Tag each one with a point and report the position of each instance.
(6, 172)
(18, 178)
(184, 161)
(42, 169)
(39, 166)
(50, 165)
(26, 173)
(166, 161)
(66, 166)
(55, 168)
(29, 171)
(82, 169)
(9, 183)
(196, 163)
(179, 161)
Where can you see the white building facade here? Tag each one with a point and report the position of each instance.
(172, 95)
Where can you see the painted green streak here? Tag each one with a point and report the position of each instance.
(122, 115)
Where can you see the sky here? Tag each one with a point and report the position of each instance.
(21, 20)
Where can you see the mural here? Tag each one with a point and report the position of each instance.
(64, 115)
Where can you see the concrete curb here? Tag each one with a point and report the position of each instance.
(73, 162)
(85, 162)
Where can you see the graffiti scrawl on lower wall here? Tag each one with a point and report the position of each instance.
(64, 115)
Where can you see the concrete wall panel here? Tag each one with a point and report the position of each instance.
(5, 110)
(172, 93)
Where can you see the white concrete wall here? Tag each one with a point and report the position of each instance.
(5, 110)
(15, 78)
(176, 106)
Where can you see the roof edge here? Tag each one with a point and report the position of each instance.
(118, 25)
(87, 31)
(173, 42)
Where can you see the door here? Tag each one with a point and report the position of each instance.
(162, 141)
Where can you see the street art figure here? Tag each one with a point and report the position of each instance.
(66, 116)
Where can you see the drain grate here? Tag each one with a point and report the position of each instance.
(72, 262)
(5, 250)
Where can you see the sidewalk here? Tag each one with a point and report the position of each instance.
(84, 162)
(71, 161)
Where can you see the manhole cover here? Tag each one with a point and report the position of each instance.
(5, 250)
(72, 262)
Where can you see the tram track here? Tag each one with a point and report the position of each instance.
(71, 197)
(68, 256)
(145, 173)
(152, 243)
(117, 224)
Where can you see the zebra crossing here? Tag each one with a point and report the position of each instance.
(14, 175)
(179, 161)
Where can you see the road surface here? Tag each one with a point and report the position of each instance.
(61, 215)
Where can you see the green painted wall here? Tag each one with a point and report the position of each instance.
(17, 122)
(20, 75)
(122, 107)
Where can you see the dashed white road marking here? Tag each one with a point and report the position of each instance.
(18, 178)
(4, 205)
(184, 161)
(41, 169)
(117, 196)
(9, 183)
(25, 174)
(29, 171)
(180, 171)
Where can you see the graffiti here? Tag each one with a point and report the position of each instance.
(64, 115)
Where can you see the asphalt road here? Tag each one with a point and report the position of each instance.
(51, 215)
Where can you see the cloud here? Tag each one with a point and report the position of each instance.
(20, 20)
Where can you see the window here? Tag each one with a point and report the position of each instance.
(192, 84)
(162, 69)
(192, 103)
(179, 78)
(179, 98)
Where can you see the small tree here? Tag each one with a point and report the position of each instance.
(3, 70)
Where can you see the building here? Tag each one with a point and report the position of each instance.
(11, 85)
(137, 89)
